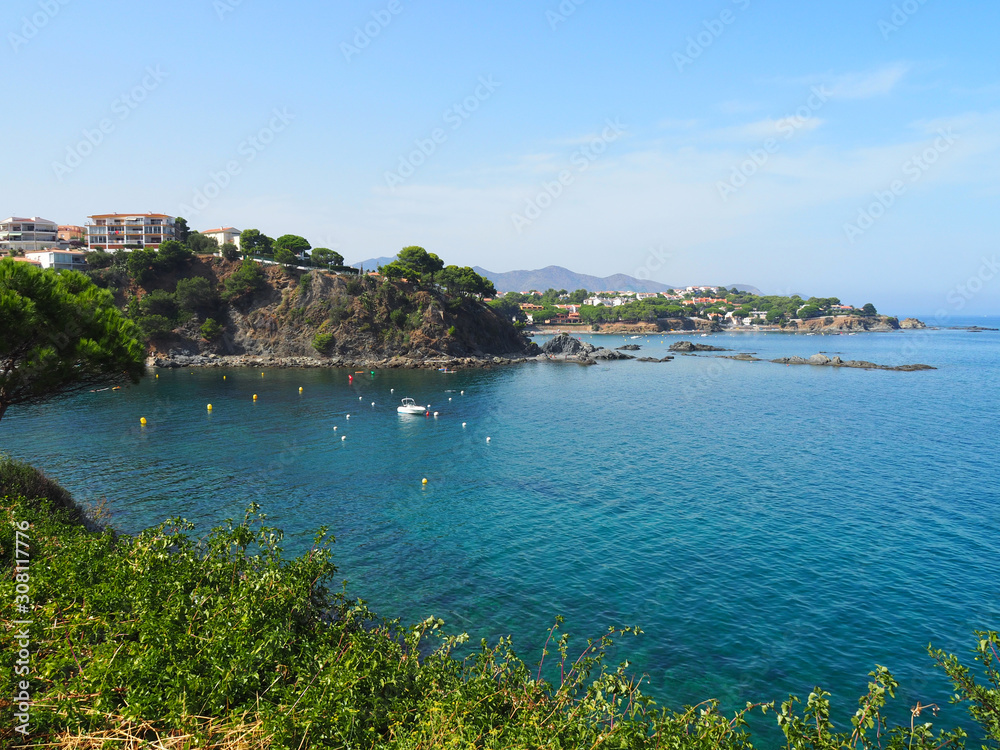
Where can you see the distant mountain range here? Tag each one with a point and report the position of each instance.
(557, 277)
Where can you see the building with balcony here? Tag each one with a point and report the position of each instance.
(61, 260)
(224, 235)
(36, 233)
(72, 233)
(113, 232)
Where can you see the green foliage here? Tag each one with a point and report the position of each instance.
(246, 280)
(284, 255)
(156, 326)
(452, 330)
(355, 287)
(465, 281)
(99, 259)
(868, 310)
(324, 257)
(322, 342)
(142, 265)
(297, 246)
(211, 329)
(172, 256)
(252, 242)
(200, 244)
(340, 311)
(230, 251)
(195, 293)
(398, 317)
(159, 303)
(60, 334)
(181, 229)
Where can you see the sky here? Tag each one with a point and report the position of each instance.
(846, 149)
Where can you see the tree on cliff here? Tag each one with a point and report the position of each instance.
(424, 263)
(869, 310)
(252, 241)
(60, 335)
(324, 257)
(296, 245)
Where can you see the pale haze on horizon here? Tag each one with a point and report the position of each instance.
(848, 149)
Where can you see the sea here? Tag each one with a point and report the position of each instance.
(770, 528)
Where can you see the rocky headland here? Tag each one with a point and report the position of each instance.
(282, 317)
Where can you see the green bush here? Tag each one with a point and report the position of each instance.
(159, 303)
(452, 330)
(322, 342)
(156, 326)
(247, 279)
(230, 251)
(211, 329)
(398, 317)
(195, 294)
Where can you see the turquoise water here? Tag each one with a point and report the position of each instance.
(770, 528)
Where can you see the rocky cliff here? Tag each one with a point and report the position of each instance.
(319, 317)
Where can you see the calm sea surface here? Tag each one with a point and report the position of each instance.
(770, 528)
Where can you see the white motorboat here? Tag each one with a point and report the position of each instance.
(409, 406)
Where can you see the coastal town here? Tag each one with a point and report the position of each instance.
(48, 244)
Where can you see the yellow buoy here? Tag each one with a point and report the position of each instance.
(300, 389)
(210, 407)
(223, 377)
(255, 397)
(425, 481)
(142, 421)
(157, 374)
(262, 374)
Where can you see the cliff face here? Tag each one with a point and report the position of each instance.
(324, 316)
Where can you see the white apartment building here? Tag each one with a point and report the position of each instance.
(36, 233)
(224, 235)
(113, 232)
(70, 260)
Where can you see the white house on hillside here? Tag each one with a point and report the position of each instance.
(224, 235)
(61, 260)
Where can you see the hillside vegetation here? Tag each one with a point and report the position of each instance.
(190, 304)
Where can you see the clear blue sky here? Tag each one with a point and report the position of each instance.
(820, 148)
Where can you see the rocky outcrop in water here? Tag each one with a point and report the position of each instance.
(911, 323)
(687, 346)
(824, 361)
(566, 348)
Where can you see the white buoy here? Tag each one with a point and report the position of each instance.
(487, 440)
(359, 398)
(463, 424)
(373, 403)
(462, 393)
(392, 390)
(348, 416)
(449, 398)
(335, 428)
(435, 414)
(343, 437)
